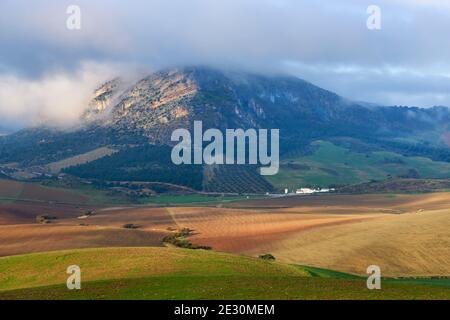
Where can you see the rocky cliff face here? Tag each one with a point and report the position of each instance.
(104, 97)
(177, 97)
(170, 99)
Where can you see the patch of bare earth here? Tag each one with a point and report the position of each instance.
(237, 230)
(26, 212)
(37, 192)
(73, 230)
(412, 241)
(412, 244)
(10, 188)
(406, 235)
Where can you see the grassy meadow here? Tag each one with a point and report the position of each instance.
(163, 273)
(334, 165)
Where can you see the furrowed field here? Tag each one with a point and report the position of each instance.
(322, 245)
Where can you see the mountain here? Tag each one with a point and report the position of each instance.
(135, 120)
(170, 99)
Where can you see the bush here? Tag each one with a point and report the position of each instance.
(267, 256)
(178, 239)
(130, 226)
(44, 219)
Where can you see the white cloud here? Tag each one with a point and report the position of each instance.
(56, 99)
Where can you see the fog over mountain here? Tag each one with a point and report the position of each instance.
(47, 71)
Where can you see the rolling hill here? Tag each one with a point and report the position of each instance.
(334, 165)
(161, 273)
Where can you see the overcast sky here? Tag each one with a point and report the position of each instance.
(48, 71)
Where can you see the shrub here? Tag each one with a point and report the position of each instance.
(44, 219)
(130, 226)
(178, 239)
(267, 256)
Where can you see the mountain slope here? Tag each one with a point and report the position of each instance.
(174, 98)
(127, 117)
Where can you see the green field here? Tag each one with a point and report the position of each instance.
(334, 165)
(96, 196)
(163, 273)
(194, 199)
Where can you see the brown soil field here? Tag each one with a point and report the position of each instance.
(237, 230)
(148, 219)
(20, 239)
(37, 192)
(26, 212)
(29, 191)
(20, 233)
(406, 235)
(10, 188)
(412, 244)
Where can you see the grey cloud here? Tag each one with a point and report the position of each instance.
(326, 42)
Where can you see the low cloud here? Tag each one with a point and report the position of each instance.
(56, 99)
(384, 85)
